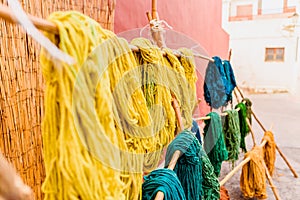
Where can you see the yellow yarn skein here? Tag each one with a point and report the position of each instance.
(72, 167)
(108, 116)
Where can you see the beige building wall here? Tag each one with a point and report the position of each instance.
(250, 35)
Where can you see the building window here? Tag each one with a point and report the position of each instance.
(274, 54)
(244, 10)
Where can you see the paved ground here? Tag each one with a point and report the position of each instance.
(281, 112)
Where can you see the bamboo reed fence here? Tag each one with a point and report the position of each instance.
(22, 86)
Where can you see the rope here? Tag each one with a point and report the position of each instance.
(188, 167)
(232, 134)
(214, 144)
(253, 177)
(243, 124)
(269, 151)
(164, 180)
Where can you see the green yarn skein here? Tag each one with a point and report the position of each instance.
(244, 128)
(210, 184)
(232, 134)
(214, 144)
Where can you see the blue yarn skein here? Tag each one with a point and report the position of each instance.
(219, 83)
(189, 166)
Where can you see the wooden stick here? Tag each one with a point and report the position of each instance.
(287, 162)
(238, 89)
(174, 160)
(45, 25)
(236, 96)
(6, 14)
(160, 195)
(154, 9)
(247, 120)
(204, 57)
(251, 131)
(149, 16)
(177, 113)
(222, 114)
(273, 187)
(236, 169)
(277, 148)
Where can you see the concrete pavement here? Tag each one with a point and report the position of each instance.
(281, 113)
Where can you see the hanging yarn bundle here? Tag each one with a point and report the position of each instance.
(183, 82)
(214, 144)
(231, 83)
(244, 128)
(195, 129)
(188, 63)
(164, 180)
(214, 88)
(269, 151)
(151, 78)
(253, 177)
(166, 76)
(91, 111)
(72, 172)
(210, 184)
(188, 167)
(219, 83)
(248, 104)
(232, 134)
(224, 194)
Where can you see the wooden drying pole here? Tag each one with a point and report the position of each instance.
(277, 148)
(208, 117)
(44, 25)
(237, 168)
(228, 176)
(160, 195)
(158, 38)
(6, 14)
(269, 177)
(247, 120)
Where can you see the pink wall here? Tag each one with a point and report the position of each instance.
(199, 19)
